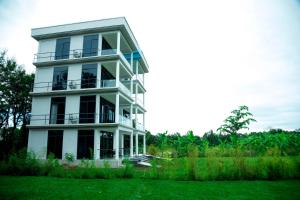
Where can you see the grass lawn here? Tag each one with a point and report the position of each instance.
(60, 188)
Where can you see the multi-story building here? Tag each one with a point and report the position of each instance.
(88, 93)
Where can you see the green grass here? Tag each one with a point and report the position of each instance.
(60, 188)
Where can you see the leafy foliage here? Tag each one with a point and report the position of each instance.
(240, 119)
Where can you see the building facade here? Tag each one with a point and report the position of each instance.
(88, 95)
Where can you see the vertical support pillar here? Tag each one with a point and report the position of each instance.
(137, 144)
(130, 114)
(117, 145)
(143, 121)
(98, 84)
(117, 107)
(96, 144)
(97, 109)
(117, 74)
(118, 42)
(144, 144)
(122, 145)
(131, 144)
(100, 44)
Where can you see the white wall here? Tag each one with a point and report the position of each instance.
(74, 74)
(41, 107)
(37, 143)
(70, 142)
(72, 107)
(43, 79)
(46, 50)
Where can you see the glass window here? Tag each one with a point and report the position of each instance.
(60, 78)
(107, 111)
(90, 45)
(106, 145)
(89, 76)
(85, 144)
(87, 109)
(62, 48)
(55, 142)
(57, 110)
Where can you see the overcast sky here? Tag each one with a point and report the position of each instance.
(205, 57)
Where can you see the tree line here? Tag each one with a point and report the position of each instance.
(15, 105)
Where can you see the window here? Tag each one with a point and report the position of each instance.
(126, 149)
(105, 44)
(57, 110)
(62, 48)
(89, 76)
(107, 111)
(106, 145)
(55, 141)
(107, 79)
(85, 144)
(87, 109)
(90, 45)
(60, 78)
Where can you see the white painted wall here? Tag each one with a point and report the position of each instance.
(70, 142)
(37, 143)
(46, 50)
(72, 107)
(43, 79)
(41, 107)
(74, 75)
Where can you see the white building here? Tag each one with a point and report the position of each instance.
(88, 93)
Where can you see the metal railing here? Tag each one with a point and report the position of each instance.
(78, 118)
(77, 84)
(70, 118)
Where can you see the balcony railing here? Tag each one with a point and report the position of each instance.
(80, 53)
(77, 118)
(124, 88)
(125, 121)
(138, 125)
(77, 84)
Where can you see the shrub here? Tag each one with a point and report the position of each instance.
(152, 150)
(192, 159)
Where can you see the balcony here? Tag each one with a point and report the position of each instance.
(78, 84)
(138, 125)
(80, 54)
(125, 121)
(77, 118)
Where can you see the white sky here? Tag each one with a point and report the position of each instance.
(205, 57)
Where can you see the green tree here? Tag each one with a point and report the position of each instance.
(240, 119)
(15, 104)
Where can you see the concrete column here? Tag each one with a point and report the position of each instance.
(117, 73)
(131, 115)
(122, 145)
(97, 111)
(99, 75)
(99, 44)
(117, 145)
(137, 144)
(118, 42)
(144, 145)
(96, 144)
(117, 107)
(144, 121)
(131, 144)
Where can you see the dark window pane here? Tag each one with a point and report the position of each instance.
(60, 78)
(62, 48)
(85, 144)
(105, 44)
(107, 111)
(106, 145)
(89, 76)
(55, 141)
(126, 149)
(87, 109)
(57, 110)
(90, 45)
